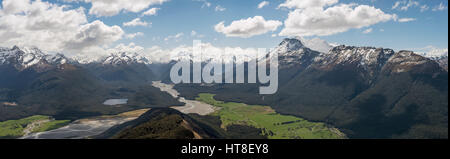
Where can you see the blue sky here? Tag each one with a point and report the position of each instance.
(184, 16)
(427, 25)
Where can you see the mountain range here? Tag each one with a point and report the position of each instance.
(367, 92)
(64, 88)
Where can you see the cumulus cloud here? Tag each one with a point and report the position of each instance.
(263, 4)
(52, 27)
(303, 4)
(322, 21)
(136, 22)
(114, 7)
(94, 34)
(11, 7)
(246, 28)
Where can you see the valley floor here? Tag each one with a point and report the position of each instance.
(191, 106)
(85, 128)
(273, 125)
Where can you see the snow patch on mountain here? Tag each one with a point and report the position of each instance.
(125, 58)
(25, 57)
(317, 44)
(433, 52)
(21, 57)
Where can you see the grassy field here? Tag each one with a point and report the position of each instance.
(274, 125)
(15, 128)
(51, 125)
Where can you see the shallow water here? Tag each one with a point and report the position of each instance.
(191, 106)
(115, 102)
(80, 129)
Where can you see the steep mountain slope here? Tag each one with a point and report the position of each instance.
(57, 86)
(442, 60)
(372, 93)
(166, 123)
(162, 123)
(438, 55)
(367, 92)
(123, 67)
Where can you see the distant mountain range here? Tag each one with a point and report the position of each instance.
(24, 57)
(64, 88)
(365, 91)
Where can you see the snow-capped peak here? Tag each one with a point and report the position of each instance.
(57, 59)
(25, 57)
(125, 58)
(292, 51)
(21, 57)
(317, 44)
(370, 59)
(288, 45)
(434, 53)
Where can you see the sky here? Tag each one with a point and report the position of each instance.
(98, 27)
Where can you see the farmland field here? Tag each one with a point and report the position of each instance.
(37, 123)
(273, 125)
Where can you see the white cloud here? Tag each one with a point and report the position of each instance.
(193, 33)
(136, 22)
(94, 34)
(332, 20)
(317, 44)
(114, 7)
(17, 6)
(303, 4)
(196, 35)
(131, 47)
(246, 28)
(263, 4)
(175, 37)
(151, 12)
(53, 28)
(133, 35)
(432, 51)
(424, 8)
(158, 55)
(404, 5)
(404, 20)
(440, 7)
(396, 4)
(205, 3)
(220, 8)
(367, 31)
(411, 3)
